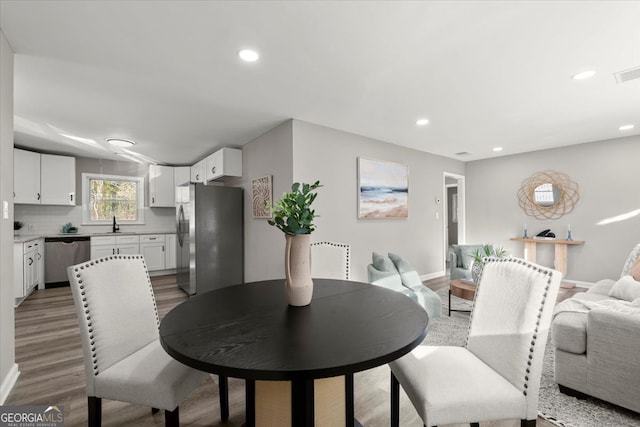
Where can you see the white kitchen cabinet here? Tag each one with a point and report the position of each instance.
(40, 257)
(152, 247)
(102, 246)
(161, 186)
(26, 177)
(57, 180)
(170, 251)
(27, 269)
(44, 179)
(224, 162)
(198, 171)
(182, 175)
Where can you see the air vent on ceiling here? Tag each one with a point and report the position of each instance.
(626, 75)
(463, 153)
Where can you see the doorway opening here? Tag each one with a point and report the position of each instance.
(454, 213)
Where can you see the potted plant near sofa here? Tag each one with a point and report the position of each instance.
(294, 217)
(488, 251)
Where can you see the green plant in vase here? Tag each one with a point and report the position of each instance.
(293, 215)
(488, 251)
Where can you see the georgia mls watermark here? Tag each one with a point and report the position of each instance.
(31, 416)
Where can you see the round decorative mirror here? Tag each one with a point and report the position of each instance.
(548, 195)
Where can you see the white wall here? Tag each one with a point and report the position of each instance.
(607, 174)
(8, 367)
(330, 155)
(269, 154)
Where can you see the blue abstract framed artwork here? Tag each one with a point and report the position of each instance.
(383, 189)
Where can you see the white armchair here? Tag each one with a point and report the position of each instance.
(119, 328)
(330, 260)
(497, 375)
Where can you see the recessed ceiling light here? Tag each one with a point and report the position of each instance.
(248, 55)
(422, 122)
(584, 75)
(626, 127)
(497, 148)
(119, 142)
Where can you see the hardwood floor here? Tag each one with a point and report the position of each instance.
(49, 354)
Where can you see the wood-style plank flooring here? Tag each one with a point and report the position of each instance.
(49, 354)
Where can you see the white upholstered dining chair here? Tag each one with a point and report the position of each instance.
(497, 374)
(330, 260)
(123, 357)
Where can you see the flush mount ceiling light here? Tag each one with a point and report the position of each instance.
(626, 127)
(422, 122)
(584, 75)
(496, 149)
(119, 142)
(248, 55)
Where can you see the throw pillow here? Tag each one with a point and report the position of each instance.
(401, 263)
(626, 289)
(466, 255)
(410, 277)
(383, 263)
(631, 259)
(635, 270)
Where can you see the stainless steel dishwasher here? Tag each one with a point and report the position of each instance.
(60, 253)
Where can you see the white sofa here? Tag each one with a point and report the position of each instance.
(596, 335)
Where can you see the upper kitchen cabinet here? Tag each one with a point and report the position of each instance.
(26, 177)
(198, 171)
(224, 162)
(182, 175)
(161, 186)
(44, 179)
(57, 180)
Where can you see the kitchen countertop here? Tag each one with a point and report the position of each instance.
(22, 238)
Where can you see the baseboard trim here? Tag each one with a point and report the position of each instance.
(8, 383)
(432, 275)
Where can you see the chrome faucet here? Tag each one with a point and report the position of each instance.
(115, 227)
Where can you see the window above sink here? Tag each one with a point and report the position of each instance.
(106, 196)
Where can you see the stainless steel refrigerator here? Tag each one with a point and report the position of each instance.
(210, 242)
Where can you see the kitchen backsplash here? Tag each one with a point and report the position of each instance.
(38, 219)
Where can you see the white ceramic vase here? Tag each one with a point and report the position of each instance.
(297, 265)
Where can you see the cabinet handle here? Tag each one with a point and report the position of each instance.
(162, 248)
(213, 169)
(118, 251)
(113, 251)
(38, 196)
(39, 257)
(153, 200)
(197, 177)
(30, 260)
(71, 197)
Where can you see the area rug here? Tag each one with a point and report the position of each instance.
(554, 406)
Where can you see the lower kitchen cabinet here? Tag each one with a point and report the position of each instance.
(28, 267)
(159, 251)
(170, 251)
(102, 246)
(152, 247)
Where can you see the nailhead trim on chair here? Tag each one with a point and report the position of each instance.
(339, 245)
(87, 310)
(540, 310)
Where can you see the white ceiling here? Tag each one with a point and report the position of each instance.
(166, 74)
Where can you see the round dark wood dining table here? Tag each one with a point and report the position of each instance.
(249, 331)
